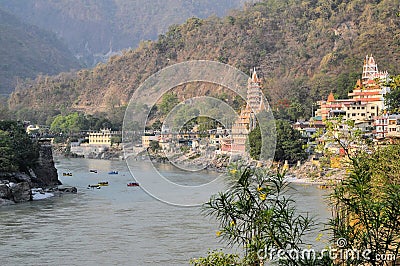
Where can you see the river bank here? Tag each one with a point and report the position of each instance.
(42, 178)
(307, 172)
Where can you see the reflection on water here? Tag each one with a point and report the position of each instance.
(114, 225)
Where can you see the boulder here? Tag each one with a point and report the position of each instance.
(15, 177)
(67, 189)
(5, 192)
(21, 192)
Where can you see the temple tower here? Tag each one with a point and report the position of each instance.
(370, 71)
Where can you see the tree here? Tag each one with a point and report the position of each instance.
(255, 213)
(168, 102)
(216, 258)
(157, 125)
(366, 204)
(116, 140)
(392, 99)
(71, 123)
(366, 213)
(7, 160)
(255, 143)
(24, 151)
(154, 145)
(289, 143)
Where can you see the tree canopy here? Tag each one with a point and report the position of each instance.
(18, 151)
(392, 99)
(289, 143)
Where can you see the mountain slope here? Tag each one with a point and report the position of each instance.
(303, 49)
(95, 28)
(27, 51)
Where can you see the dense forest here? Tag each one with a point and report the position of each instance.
(302, 49)
(27, 51)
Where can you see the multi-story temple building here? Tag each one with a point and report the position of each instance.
(247, 118)
(365, 102)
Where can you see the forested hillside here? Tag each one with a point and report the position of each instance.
(27, 51)
(95, 29)
(303, 50)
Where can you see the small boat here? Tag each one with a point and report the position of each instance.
(94, 186)
(93, 171)
(113, 173)
(103, 184)
(325, 186)
(133, 184)
(67, 174)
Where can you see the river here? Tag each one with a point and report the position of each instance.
(116, 225)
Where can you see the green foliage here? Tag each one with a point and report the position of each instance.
(206, 123)
(216, 258)
(255, 143)
(366, 204)
(168, 102)
(7, 163)
(76, 122)
(4, 112)
(20, 152)
(156, 125)
(290, 110)
(72, 123)
(116, 140)
(392, 99)
(345, 135)
(255, 213)
(289, 143)
(155, 145)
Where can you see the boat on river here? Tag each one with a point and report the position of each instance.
(133, 184)
(93, 171)
(67, 174)
(103, 183)
(94, 186)
(113, 173)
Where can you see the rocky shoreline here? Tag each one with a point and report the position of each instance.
(17, 187)
(307, 172)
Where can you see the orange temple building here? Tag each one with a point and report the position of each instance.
(247, 118)
(365, 101)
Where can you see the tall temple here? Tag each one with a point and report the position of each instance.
(370, 71)
(246, 121)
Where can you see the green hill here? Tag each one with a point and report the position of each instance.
(27, 51)
(303, 49)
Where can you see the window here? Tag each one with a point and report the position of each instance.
(372, 107)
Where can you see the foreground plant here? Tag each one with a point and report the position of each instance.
(256, 214)
(367, 210)
(217, 258)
